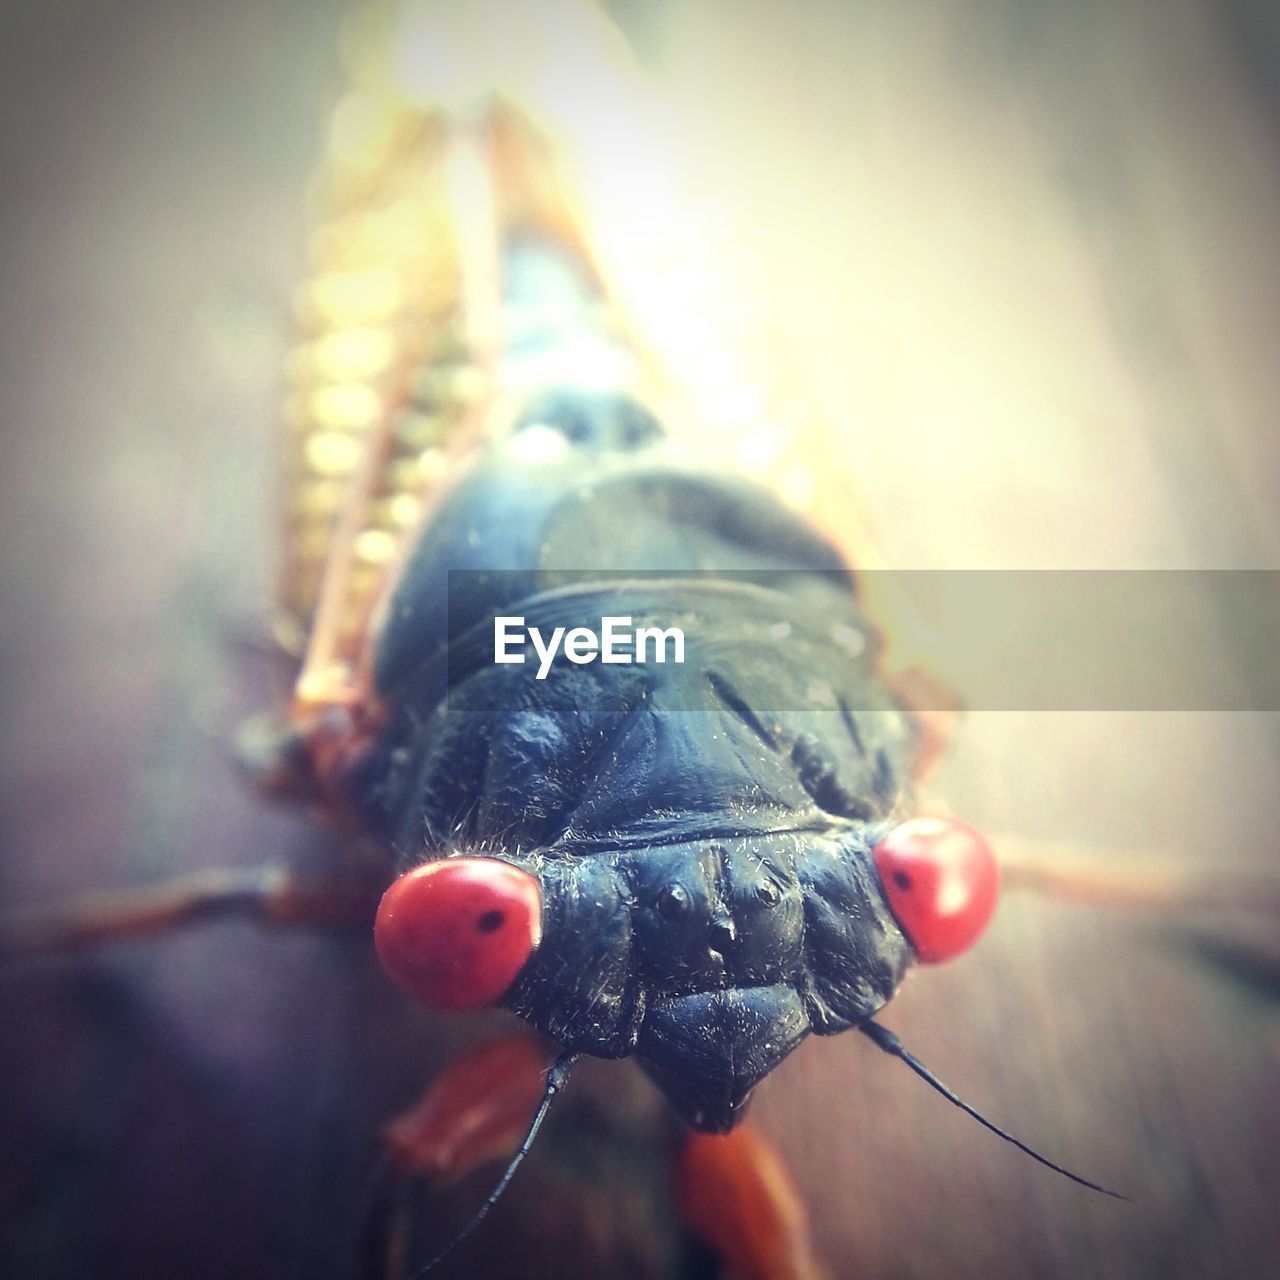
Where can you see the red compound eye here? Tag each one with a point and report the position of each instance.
(941, 881)
(454, 934)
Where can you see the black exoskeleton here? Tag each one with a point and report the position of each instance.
(701, 831)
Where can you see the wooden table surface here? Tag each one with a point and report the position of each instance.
(1029, 256)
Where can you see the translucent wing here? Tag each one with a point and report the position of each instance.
(457, 124)
(393, 378)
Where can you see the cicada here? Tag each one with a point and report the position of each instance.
(500, 413)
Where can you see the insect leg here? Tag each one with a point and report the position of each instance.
(1114, 879)
(273, 895)
(475, 1112)
(737, 1196)
(1225, 916)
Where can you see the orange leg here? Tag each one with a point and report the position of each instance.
(738, 1198)
(477, 1111)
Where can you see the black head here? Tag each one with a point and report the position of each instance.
(711, 959)
(702, 834)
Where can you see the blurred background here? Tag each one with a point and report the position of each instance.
(1017, 263)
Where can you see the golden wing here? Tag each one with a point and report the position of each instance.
(393, 377)
(456, 127)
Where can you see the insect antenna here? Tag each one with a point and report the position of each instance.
(557, 1077)
(890, 1043)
